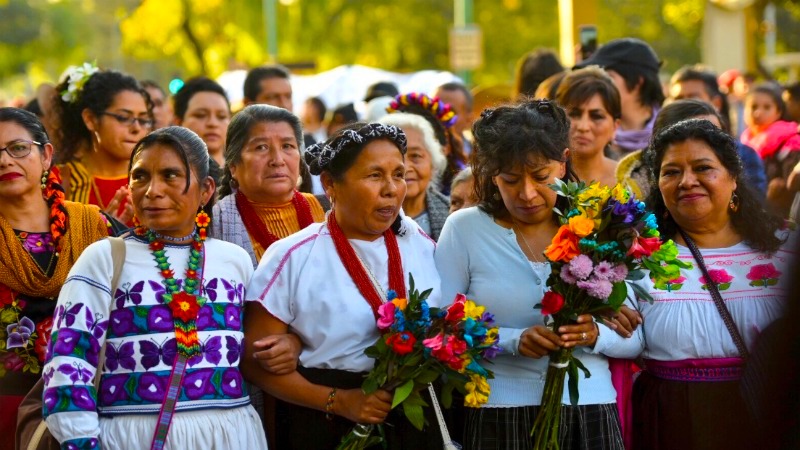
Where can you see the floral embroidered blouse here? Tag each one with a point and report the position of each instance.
(137, 330)
(683, 322)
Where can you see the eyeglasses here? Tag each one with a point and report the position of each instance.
(20, 148)
(130, 120)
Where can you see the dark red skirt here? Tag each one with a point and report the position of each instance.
(701, 415)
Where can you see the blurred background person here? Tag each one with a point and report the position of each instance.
(549, 87)
(460, 99)
(425, 164)
(162, 107)
(633, 65)
(341, 117)
(314, 112)
(269, 85)
(202, 106)
(41, 237)
(532, 70)
(791, 96)
(462, 191)
(593, 107)
(693, 363)
(381, 89)
(102, 115)
(775, 139)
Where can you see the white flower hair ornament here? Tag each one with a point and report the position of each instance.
(76, 77)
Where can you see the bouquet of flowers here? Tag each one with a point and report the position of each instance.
(419, 344)
(606, 239)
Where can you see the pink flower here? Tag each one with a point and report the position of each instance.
(567, 276)
(434, 343)
(599, 289)
(603, 270)
(581, 266)
(678, 280)
(642, 246)
(385, 315)
(718, 276)
(763, 272)
(619, 274)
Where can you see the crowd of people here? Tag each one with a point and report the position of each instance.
(180, 274)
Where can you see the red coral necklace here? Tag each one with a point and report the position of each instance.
(258, 229)
(358, 271)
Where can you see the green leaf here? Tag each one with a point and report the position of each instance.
(757, 283)
(447, 394)
(635, 275)
(402, 393)
(641, 292)
(572, 371)
(429, 376)
(617, 297)
(724, 286)
(8, 315)
(772, 282)
(370, 385)
(411, 282)
(414, 414)
(372, 352)
(580, 365)
(425, 294)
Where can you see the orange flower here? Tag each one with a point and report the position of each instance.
(202, 219)
(564, 246)
(184, 306)
(581, 226)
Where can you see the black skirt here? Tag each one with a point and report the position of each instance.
(701, 415)
(586, 427)
(300, 428)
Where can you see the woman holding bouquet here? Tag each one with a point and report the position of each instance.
(325, 283)
(689, 393)
(520, 150)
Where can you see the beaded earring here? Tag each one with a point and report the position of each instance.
(202, 220)
(45, 174)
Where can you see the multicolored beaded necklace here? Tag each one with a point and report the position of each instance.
(358, 271)
(256, 227)
(184, 304)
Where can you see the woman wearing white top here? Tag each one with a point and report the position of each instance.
(493, 254)
(324, 284)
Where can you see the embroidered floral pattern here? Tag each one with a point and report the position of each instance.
(763, 275)
(672, 285)
(37, 242)
(23, 342)
(719, 276)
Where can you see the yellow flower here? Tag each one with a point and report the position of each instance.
(473, 310)
(491, 336)
(620, 194)
(400, 303)
(581, 226)
(478, 391)
(594, 193)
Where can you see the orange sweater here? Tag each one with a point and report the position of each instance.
(281, 220)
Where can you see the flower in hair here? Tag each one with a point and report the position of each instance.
(76, 77)
(441, 110)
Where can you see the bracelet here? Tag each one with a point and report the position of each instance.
(329, 404)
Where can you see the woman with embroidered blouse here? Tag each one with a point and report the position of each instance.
(519, 151)
(689, 393)
(171, 328)
(325, 283)
(41, 237)
(101, 115)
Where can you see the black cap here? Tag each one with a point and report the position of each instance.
(625, 51)
(381, 89)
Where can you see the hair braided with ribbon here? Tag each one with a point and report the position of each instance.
(54, 194)
(319, 156)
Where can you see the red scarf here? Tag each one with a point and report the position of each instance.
(258, 229)
(358, 272)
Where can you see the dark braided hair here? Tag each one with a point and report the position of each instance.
(53, 192)
(508, 136)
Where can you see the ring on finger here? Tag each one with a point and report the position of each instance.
(583, 336)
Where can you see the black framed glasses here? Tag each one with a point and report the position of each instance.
(130, 120)
(20, 148)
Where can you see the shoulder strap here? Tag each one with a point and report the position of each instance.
(718, 302)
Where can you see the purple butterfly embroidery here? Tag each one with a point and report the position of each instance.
(129, 294)
(234, 349)
(48, 375)
(210, 349)
(210, 290)
(120, 357)
(68, 313)
(159, 289)
(76, 372)
(95, 325)
(231, 289)
(153, 354)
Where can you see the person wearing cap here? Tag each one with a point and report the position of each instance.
(325, 283)
(633, 65)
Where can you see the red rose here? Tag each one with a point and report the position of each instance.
(401, 343)
(455, 312)
(184, 306)
(552, 302)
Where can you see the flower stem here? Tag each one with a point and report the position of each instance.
(546, 426)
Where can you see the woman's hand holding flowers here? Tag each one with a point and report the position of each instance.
(538, 341)
(278, 353)
(354, 405)
(584, 332)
